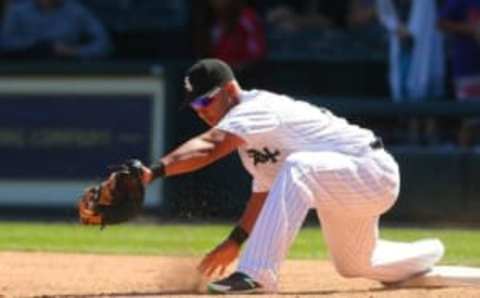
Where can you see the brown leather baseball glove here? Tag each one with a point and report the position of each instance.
(117, 199)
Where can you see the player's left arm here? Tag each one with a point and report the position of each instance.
(229, 249)
(250, 214)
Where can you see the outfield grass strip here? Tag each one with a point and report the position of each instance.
(463, 245)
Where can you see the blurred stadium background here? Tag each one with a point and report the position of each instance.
(65, 118)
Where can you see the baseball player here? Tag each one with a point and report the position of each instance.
(300, 157)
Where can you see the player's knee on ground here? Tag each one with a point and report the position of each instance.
(348, 272)
(351, 270)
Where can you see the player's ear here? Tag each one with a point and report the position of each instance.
(230, 88)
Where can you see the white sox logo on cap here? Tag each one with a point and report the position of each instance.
(188, 85)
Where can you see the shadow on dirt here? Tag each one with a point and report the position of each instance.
(194, 294)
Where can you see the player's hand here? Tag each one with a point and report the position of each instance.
(219, 258)
(147, 176)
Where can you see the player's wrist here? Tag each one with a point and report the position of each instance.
(238, 235)
(157, 170)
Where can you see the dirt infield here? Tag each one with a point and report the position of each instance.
(72, 275)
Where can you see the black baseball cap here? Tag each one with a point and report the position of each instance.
(205, 76)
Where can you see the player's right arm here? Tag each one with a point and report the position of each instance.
(195, 154)
(200, 151)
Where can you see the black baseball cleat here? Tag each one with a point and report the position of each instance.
(236, 283)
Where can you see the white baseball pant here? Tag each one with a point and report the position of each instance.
(349, 193)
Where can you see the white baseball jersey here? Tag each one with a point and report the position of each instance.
(306, 157)
(275, 126)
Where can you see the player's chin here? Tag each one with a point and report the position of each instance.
(210, 121)
(208, 118)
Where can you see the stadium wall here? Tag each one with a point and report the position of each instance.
(436, 185)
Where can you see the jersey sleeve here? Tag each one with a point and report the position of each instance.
(249, 121)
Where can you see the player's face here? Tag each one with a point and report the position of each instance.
(211, 108)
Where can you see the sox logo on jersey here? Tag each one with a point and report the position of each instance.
(264, 156)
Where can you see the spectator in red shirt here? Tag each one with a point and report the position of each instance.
(237, 33)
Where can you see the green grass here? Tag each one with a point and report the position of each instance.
(463, 246)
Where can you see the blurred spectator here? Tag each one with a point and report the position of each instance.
(308, 14)
(237, 34)
(364, 25)
(363, 13)
(416, 55)
(461, 19)
(53, 28)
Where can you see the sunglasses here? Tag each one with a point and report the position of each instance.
(204, 101)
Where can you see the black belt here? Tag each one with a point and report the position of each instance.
(376, 144)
